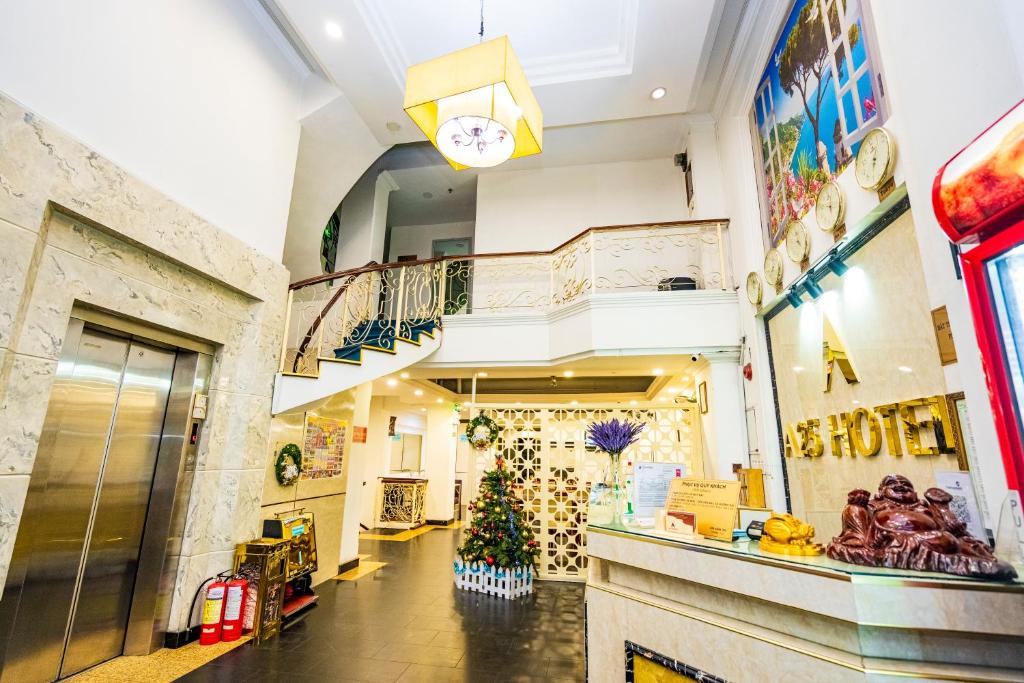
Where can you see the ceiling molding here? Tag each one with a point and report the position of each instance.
(280, 31)
(383, 34)
(562, 68)
(757, 33)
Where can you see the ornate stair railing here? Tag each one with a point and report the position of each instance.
(335, 316)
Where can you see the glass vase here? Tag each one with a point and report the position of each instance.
(618, 495)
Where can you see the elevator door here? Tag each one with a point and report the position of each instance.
(86, 509)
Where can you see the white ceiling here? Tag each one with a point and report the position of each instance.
(588, 61)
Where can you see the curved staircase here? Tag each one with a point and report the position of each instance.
(347, 329)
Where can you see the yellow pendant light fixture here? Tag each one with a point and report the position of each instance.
(475, 105)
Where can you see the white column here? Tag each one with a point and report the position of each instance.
(726, 420)
(439, 462)
(355, 485)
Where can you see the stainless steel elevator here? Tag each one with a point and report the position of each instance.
(97, 546)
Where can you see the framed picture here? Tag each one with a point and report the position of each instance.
(702, 397)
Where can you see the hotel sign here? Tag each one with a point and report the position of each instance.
(917, 427)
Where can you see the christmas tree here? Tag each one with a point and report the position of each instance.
(498, 534)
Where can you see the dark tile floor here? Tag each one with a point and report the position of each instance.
(408, 622)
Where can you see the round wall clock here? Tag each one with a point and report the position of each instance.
(830, 207)
(773, 267)
(798, 242)
(876, 159)
(754, 288)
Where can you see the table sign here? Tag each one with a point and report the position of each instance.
(714, 501)
(650, 485)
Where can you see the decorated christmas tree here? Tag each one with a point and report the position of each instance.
(498, 535)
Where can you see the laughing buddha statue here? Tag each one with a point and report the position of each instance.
(895, 528)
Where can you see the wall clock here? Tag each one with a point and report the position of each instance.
(830, 207)
(876, 159)
(798, 241)
(773, 267)
(754, 289)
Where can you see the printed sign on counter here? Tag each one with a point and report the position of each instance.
(714, 501)
(650, 485)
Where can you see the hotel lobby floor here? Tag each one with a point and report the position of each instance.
(407, 622)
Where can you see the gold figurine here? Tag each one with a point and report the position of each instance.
(786, 535)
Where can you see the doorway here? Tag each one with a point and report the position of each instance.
(104, 501)
(457, 274)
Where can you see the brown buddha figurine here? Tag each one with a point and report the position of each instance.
(897, 529)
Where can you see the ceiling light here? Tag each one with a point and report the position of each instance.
(392, 382)
(813, 288)
(657, 372)
(404, 375)
(663, 398)
(481, 374)
(794, 299)
(423, 410)
(333, 30)
(797, 368)
(393, 126)
(568, 373)
(673, 390)
(658, 93)
(904, 368)
(519, 403)
(632, 403)
(475, 105)
(575, 403)
(469, 404)
(418, 392)
(440, 400)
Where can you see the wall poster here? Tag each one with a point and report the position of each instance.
(816, 99)
(323, 447)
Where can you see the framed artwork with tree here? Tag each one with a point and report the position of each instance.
(814, 102)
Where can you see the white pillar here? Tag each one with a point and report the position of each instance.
(726, 418)
(439, 462)
(355, 485)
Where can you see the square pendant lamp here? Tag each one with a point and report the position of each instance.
(475, 105)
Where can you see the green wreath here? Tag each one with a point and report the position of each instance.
(482, 431)
(288, 465)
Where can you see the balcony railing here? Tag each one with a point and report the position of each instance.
(333, 315)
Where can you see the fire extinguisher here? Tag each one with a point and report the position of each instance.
(234, 601)
(213, 612)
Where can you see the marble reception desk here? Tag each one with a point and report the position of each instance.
(738, 614)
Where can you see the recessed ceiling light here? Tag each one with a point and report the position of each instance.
(632, 403)
(333, 30)
(658, 93)
(663, 398)
(797, 368)
(673, 390)
(481, 374)
(392, 382)
(904, 368)
(393, 126)
(657, 372)
(519, 403)
(418, 392)
(440, 400)
(423, 409)
(575, 403)
(568, 373)
(404, 375)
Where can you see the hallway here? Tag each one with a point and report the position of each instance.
(408, 622)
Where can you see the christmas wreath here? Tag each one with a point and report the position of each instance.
(288, 465)
(482, 431)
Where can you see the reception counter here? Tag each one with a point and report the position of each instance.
(401, 502)
(726, 611)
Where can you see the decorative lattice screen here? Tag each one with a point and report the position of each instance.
(553, 470)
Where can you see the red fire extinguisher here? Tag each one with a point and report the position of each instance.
(213, 611)
(234, 601)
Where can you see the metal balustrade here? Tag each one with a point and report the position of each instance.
(337, 315)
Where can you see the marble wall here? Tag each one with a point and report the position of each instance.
(880, 309)
(77, 230)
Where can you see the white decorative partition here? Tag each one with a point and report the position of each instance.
(553, 470)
